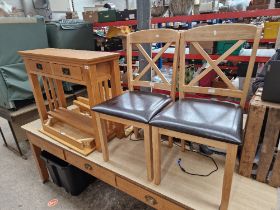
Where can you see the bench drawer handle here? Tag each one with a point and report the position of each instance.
(88, 166)
(39, 66)
(66, 71)
(150, 200)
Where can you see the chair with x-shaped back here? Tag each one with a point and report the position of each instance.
(137, 108)
(209, 122)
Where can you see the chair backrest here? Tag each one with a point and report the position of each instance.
(167, 36)
(238, 32)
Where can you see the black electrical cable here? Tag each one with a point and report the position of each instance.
(195, 174)
(180, 160)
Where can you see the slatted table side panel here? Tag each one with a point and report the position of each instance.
(269, 143)
(275, 176)
(251, 138)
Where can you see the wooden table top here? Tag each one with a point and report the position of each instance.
(69, 54)
(257, 100)
(127, 160)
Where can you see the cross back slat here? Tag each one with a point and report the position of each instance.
(239, 32)
(166, 36)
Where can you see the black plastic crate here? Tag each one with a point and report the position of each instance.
(65, 175)
(242, 69)
(121, 15)
(131, 14)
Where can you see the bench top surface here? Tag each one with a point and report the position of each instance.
(127, 160)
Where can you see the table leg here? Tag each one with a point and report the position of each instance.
(16, 140)
(36, 151)
(3, 137)
(18, 150)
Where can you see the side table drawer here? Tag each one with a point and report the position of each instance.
(91, 168)
(44, 145)
(145, 196)
(39, 66)
(73, 72)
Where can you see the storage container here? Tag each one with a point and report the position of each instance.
(65, 175)
(121, 15)
(107, 16)
(242, 69)
(90, 16)
(131, 14)
(271, 30)
(223, 46)
(260, 2)
(71, 34)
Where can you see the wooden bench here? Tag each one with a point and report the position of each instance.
(177, 190)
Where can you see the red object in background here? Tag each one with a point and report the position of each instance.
(206, 81)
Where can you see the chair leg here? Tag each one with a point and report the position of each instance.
(183, 145)
(101, 127)
(148, 151)
(156, 155)
(228, 175)
(170, 141)
(120, 133)
(136, 132)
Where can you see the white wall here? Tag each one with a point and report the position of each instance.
(78, 4)
(16, 3)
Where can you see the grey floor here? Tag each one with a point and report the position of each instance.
(21, 187)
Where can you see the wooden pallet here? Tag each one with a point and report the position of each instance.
(269, 153)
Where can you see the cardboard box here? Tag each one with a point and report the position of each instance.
(260, 2)
(261, 6)
(271, 30)
(207, 46)
(90, 16)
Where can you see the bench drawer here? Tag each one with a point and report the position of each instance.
(145, 196)
(73, 72)
(39, 66)
(91, 168)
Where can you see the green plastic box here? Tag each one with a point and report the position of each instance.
(223, 46)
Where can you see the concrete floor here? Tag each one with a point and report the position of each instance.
(21, 187)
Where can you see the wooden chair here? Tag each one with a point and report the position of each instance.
(137, 108)
(208, 122)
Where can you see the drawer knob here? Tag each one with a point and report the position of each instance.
(88, 166)
(66, 71)
(150, 200)
(39, 66)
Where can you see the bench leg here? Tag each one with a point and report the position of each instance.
(228, 175)
(36, 151)
(16, 151)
